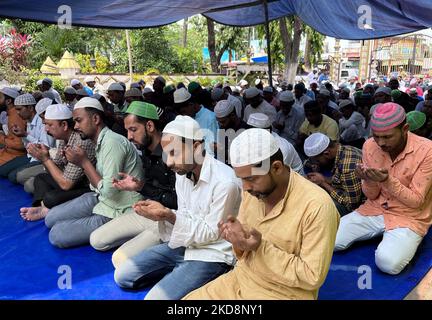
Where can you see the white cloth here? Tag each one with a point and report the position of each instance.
(263, 107)
(299, 104)
(290, 155)
(396, 249)
(216, 195)
(36, 133)
(352, 129)
(237, 104)
(56, 95)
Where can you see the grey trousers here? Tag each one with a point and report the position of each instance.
(72, 222)
(26, 176)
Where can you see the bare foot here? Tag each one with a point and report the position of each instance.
(33, 213)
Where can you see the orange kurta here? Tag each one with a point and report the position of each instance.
(13, 145)
(405, 198)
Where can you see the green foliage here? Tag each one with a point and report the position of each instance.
(102, 63)
(31, 76)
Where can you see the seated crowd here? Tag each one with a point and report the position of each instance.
(230, 192)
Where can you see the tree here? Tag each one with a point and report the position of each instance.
(228, 38)
(286, 35)
(314, 45)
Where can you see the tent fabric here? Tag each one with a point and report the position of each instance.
(337, 18)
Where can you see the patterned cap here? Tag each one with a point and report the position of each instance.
(143, 109)
(25, 99)
(416, 120)
(387, 116)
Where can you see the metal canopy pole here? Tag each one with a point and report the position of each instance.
(267, 29)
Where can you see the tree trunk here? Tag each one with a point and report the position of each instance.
(211, 43)
(307, 54)
(291, 44)
(185, 31)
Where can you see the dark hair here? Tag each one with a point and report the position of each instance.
(400, 126)
(93, 111)
(278, 156)
(157, 123)
(312, 106)
(70, 122)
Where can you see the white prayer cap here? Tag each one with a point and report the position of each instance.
(252, 146)
(251, 93)
(58, 112)
(216, 94)
(223, 108)
(257, 81)
(342, 85)
(243, 83)
(39, 82)
(42, 105)
(25, 99)
(346, 89)
(74, 82)
(184, 126)
(316, 144)
(324, 92)
(70, 90)
(259, 120)
(286, 96)
(147, 90)
(236, 89)
(181, 95)
(10, 92)
(344, 102)
(268, 89)
(115, 87)
(88, 102)
(89, 79)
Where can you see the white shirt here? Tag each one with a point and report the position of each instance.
(56, 95)
(352, 128)
(290, 155)
(299, 104)
(263, 107)
(237, 104)
(216, 195)
(36, 133)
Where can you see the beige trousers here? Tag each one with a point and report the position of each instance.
(132, 232)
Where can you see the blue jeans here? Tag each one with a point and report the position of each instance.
(10, 168)
(174, 277)
(72, 222)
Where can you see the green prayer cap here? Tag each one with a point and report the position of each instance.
(168, 88)
(396, 94)
(143, 109)
(415, 119)
(358, 94)
(193, 86)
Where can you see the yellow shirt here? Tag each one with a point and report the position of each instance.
(328, 126)
(294, 256)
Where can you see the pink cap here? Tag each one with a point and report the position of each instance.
(387, 116)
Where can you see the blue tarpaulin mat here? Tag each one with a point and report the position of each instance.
(30, 268)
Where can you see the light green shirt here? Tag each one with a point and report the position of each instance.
(114, 154)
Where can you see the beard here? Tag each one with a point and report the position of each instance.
(83, 135)
(146, 141)
(264, 194)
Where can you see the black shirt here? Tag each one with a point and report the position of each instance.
(159, 179)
